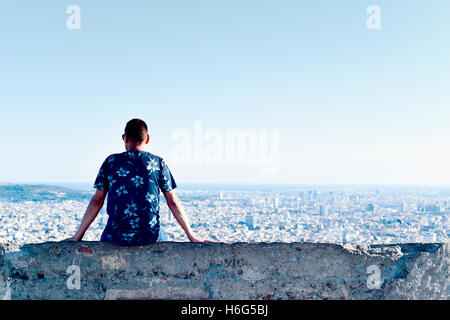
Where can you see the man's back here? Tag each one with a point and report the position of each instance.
(133, 180)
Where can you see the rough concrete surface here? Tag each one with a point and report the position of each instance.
(174, 270)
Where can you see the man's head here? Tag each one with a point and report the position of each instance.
(136, 134)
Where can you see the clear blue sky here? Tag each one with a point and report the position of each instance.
(352, 105)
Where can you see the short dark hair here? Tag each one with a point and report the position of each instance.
(136, 129)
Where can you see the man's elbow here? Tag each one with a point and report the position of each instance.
(97, 201)
(172, 201)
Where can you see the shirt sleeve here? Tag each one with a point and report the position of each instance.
(101, 182)
(166, 181)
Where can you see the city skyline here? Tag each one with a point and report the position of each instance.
(350, 215)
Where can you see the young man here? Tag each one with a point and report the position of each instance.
(133, 180)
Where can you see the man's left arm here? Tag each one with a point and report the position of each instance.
(91, 213)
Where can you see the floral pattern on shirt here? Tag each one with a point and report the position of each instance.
(133, 181)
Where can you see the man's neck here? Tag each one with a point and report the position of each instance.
(134, 147)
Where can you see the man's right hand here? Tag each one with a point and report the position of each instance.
(69, 239)
(196, 239)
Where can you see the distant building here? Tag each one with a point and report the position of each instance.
(302, 195)
(344, 237)
(323, 210)
(432, 208)
(250, 220)
(104, 216)
(429, 237)
(276, 202)
(370, 207)
(429, 208)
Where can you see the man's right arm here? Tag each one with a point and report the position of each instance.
(91, 213)
(178, 212)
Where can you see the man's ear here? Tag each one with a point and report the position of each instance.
(148, 139)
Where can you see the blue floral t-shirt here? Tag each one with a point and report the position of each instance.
(133, 180)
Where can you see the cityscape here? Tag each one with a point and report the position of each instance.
(329, 214)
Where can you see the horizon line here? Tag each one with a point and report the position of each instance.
(244, 183)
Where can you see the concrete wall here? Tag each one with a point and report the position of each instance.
(173, 270)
